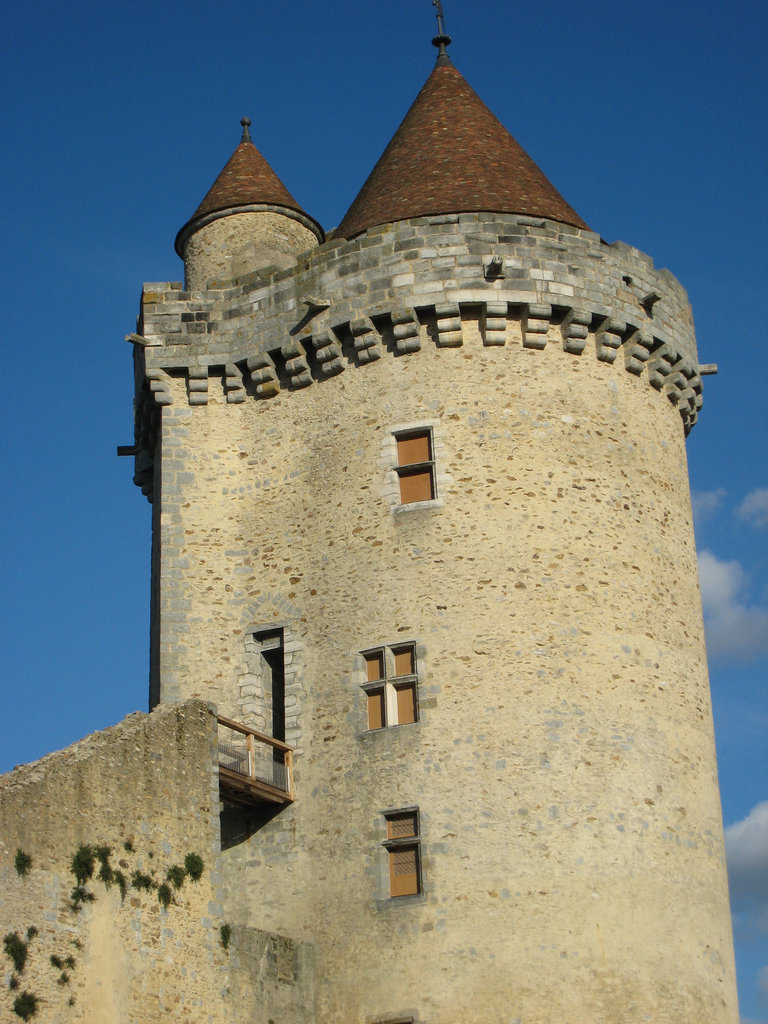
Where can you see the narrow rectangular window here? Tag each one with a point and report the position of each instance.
(404, 684)
(391, 686)
(415, 466)
(376, 713)
(406, 704)
(403, 851)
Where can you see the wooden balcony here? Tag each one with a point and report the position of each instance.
(253, 768)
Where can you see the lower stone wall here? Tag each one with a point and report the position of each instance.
(138, 938)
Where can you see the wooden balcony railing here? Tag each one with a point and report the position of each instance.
(253, 767)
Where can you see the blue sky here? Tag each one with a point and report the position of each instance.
(117, 118)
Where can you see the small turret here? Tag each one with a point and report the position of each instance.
(248, 220)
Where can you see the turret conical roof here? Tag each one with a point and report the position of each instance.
(247, 180)
(452, 155)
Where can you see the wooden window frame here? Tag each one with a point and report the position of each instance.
(411, 843)
(390, 685)
(424, 468)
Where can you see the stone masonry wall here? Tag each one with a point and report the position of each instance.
(243, 242)
(147, 789)
(563, 762)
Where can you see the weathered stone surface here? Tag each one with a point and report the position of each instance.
(147, 789)
(563, 763)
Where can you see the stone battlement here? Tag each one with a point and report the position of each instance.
(449, 281)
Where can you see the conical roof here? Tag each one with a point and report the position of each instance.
(247, 180)
(452, 155)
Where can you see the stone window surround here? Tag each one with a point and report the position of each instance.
(416, 466)
(359, 677)
(391, 845)
(379, 868)
(387, 682)
(390, 490)
(249, 681)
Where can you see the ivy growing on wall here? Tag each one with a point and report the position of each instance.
(83, 866)
(22, 862)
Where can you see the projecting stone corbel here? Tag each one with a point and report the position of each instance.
(448, 326)
(495, 323)
(575, 328)
(405, 328)
(160, 386)
(263, 374)
(233, 384)
(649, 301)
(328, 352)
(197, 385)
(366, 339)
(138, 339)
(296, 364)
(660, 366)
(608, 339)
(315, 304)
(637, 350)
(536, 326)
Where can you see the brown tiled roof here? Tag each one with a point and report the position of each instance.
(452, 155)
(246, 180)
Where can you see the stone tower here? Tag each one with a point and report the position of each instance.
(421, 512)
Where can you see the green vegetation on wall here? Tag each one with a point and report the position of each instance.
(82, 866)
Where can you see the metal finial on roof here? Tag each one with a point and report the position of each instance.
(441, 40)
(245, 122)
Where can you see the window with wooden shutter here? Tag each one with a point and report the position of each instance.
(415, 466)
(376, 711)
(404, 871)
(391, 686)
(403, 851)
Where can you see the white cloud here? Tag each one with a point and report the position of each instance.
(733, 628)
(746, 849)
(754, 508)
(705, 504)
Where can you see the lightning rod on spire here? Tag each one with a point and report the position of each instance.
(441, 40)
(440, 18)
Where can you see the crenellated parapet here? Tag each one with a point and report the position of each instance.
(454, 281)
